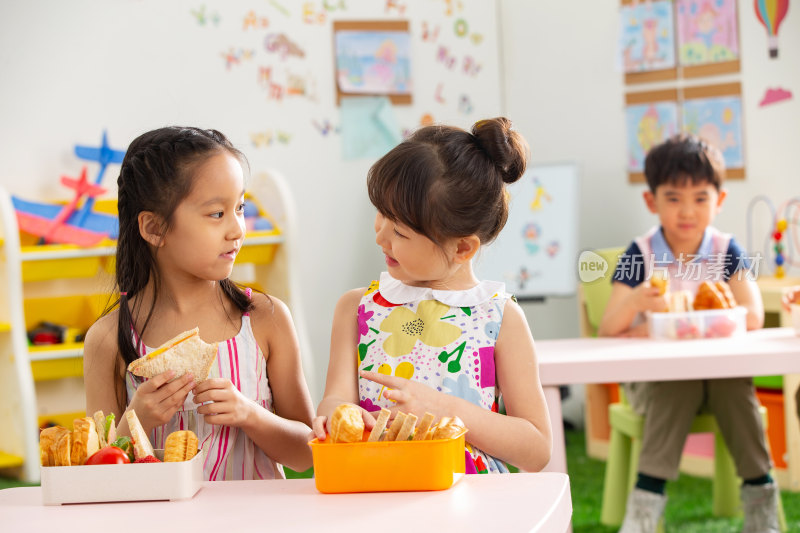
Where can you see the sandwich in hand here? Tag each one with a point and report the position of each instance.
(184, 353)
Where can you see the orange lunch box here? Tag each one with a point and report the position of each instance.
(387, 466)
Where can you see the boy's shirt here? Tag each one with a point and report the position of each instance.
(633, 267)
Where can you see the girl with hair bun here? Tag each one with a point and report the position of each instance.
(428, 336)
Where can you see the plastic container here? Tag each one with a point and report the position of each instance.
(697, 324)
(387, 466)
(122, 483)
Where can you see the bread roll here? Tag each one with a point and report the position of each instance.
(180, 446)
(725, 290)
(709, 297)
(347, 423)
(448, 428)
(85, 441)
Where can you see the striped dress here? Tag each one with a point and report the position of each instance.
(230, 453)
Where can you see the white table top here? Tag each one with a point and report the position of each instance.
(761, 352)
(513, 502)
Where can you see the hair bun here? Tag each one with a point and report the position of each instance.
(505, 147)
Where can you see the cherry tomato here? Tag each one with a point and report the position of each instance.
(110, 455)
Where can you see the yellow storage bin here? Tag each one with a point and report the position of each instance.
(78, 311)
(387, 466)
(67, 367)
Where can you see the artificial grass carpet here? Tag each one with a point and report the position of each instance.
(688, 499)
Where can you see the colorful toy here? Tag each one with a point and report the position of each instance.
(66, 224)
(784, 221)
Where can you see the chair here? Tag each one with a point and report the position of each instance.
(627, 426)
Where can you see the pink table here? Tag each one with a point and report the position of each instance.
(764, 352)
(515, 502)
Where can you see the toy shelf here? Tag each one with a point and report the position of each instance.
(70, 286)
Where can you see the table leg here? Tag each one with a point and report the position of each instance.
(558, 459)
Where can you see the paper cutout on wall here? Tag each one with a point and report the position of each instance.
(369, 127)
(646, 126)
(771, 13)
(707, 31)
(202, 17)
(254, 22)
(279, 7)
(312, 16)
(773, 96)
(648, 38)
(394, 5)
(719, 122)
(234, 56)
(429, 34)
(325, 127)
(279, 43)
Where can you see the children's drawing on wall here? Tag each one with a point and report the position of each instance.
(707, 31)
(770, 14)
(534, 255)
(648, 125)
(373, 62)
(718, 121)
(648, 36)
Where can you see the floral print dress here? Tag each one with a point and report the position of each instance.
(444, 339)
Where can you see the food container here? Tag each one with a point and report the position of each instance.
(387, 466)
(707, 324)
(122, 483)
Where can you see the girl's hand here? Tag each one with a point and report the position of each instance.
(319, 425)
(790, 297)
(228, 406)
(636, 331)
(156, 401)
(646, 298)
(410, 397)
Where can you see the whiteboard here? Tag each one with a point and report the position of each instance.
(535, 253)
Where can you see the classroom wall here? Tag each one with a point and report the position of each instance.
(565, 91)
(72, 69)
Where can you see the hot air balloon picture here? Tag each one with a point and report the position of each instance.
(771, 13)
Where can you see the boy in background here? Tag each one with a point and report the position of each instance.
(684, 176)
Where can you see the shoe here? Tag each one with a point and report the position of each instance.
(760, 504)
(643, 511)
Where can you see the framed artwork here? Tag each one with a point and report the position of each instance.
(650, 118)
(708, 35)
(373, 59)
(648, 37)
(714, 113)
